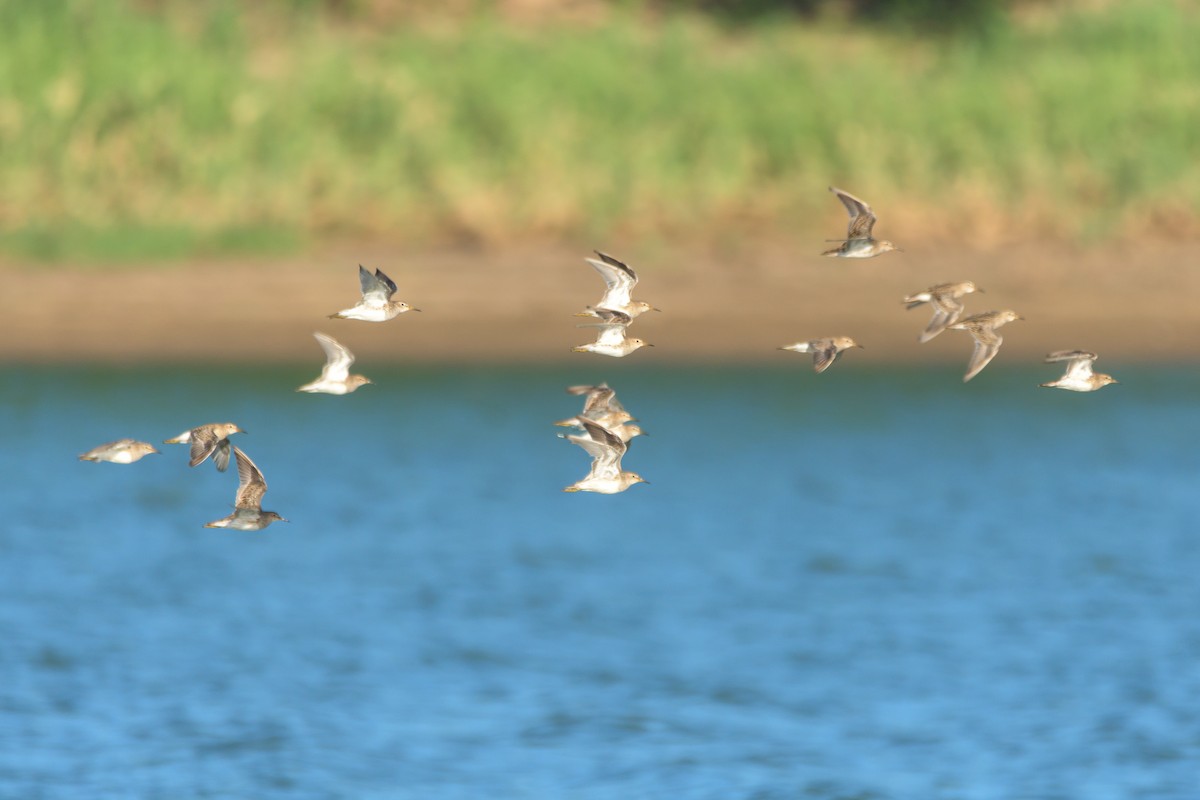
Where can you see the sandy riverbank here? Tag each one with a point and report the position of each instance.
(516, 304)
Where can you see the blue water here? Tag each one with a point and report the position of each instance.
(864, 584)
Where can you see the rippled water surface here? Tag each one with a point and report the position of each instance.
(863, 584)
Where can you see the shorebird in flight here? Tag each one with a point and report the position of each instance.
(1079, 375)
(858, 242)
(824, 351)
(619, 280)
(987, 341)
(611, 339)
(122, 451)
(247, 505)
(376, 304)
(208, 440)
(606, 450)
(335, 375)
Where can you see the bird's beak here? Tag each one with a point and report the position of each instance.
(414, 309)
(859, 346)
(981, 290)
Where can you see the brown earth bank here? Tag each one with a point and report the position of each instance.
(1127, 302)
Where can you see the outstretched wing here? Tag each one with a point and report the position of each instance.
(987, 344)
(946, 311)
(619, 280)
(862, 218)
(600, 400)
(338, 358)
(1079, 363)
(937, 324)
(251, 484)
(607, 449)
(377, 289)
(205, 442)
(824, 353)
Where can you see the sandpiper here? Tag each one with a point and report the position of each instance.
(208, 440)
(1078, 376)
(122, 451)
(606, 450)
(377, 304)
(335, 375)
(602, 406)
(619, 280)
(247, 505)
(611, 340)
(824, 351)
(946, 299)
(987, 341)
(858, 242)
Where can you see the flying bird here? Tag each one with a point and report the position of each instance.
(824, 351)
(858, 242)
(987, 341)
(611, 339)
(376, 304)
(1079, 375)
(122, 451)
(335, 375)
(619, 280)
(248, 514)
(606, 450)
(208, 440)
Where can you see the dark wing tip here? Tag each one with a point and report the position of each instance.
(600, 433)
(621, 265)
(388, 282)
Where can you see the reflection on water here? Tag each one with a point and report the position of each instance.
(860, 584)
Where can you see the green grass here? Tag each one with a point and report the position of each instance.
(131, 243)
(135, 134)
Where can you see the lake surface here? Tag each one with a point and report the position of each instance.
(865, 584)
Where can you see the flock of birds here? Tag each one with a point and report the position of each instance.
(946, 299)
(212, 440)
(604, 428)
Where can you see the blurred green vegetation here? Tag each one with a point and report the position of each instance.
(168, 128)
